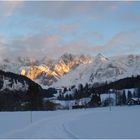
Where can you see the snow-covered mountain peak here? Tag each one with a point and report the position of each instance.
(100, 58)
(48, 71)
(101, 70)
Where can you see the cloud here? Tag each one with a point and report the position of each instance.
(33, 46)
(67, 9)
(77, 47)
(120, 39)
(121, 43)
(40, 45)
(94, 35)
(53, 46)
(3, 47)
(130, 17)
(8, 7)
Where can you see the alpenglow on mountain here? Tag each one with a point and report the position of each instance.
(71, 69)
(45, 71)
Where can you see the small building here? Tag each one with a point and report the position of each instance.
(134, 101)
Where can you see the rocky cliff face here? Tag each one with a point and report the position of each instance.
(45, 71)
(48, 74)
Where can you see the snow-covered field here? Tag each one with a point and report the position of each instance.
(120, 122)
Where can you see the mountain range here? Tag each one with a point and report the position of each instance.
(72, 69)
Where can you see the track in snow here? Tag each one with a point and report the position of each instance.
(53, 126)
(121, 122)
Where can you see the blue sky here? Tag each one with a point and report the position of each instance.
(51, 28)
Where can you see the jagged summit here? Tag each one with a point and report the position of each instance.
(101, 70)
(47, 72)
(100, 58)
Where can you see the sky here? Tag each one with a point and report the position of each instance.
(51, 28)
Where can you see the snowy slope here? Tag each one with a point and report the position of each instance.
(120, 122)
(102, 69)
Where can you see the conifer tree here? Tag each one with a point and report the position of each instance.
(129, 96)
(124, 98)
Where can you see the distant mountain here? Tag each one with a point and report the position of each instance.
(45, 71)
(71, 69)
(102, 69)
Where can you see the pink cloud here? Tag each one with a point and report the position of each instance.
(121, 38)
(54, 46)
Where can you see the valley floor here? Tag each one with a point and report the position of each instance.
(120, 122)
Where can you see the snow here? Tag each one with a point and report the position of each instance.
(132, 90)
(71, 103)
(16, 86)
(102, 69)
(90, 70)
(120, 122)
(107, 96)
(81, 74)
